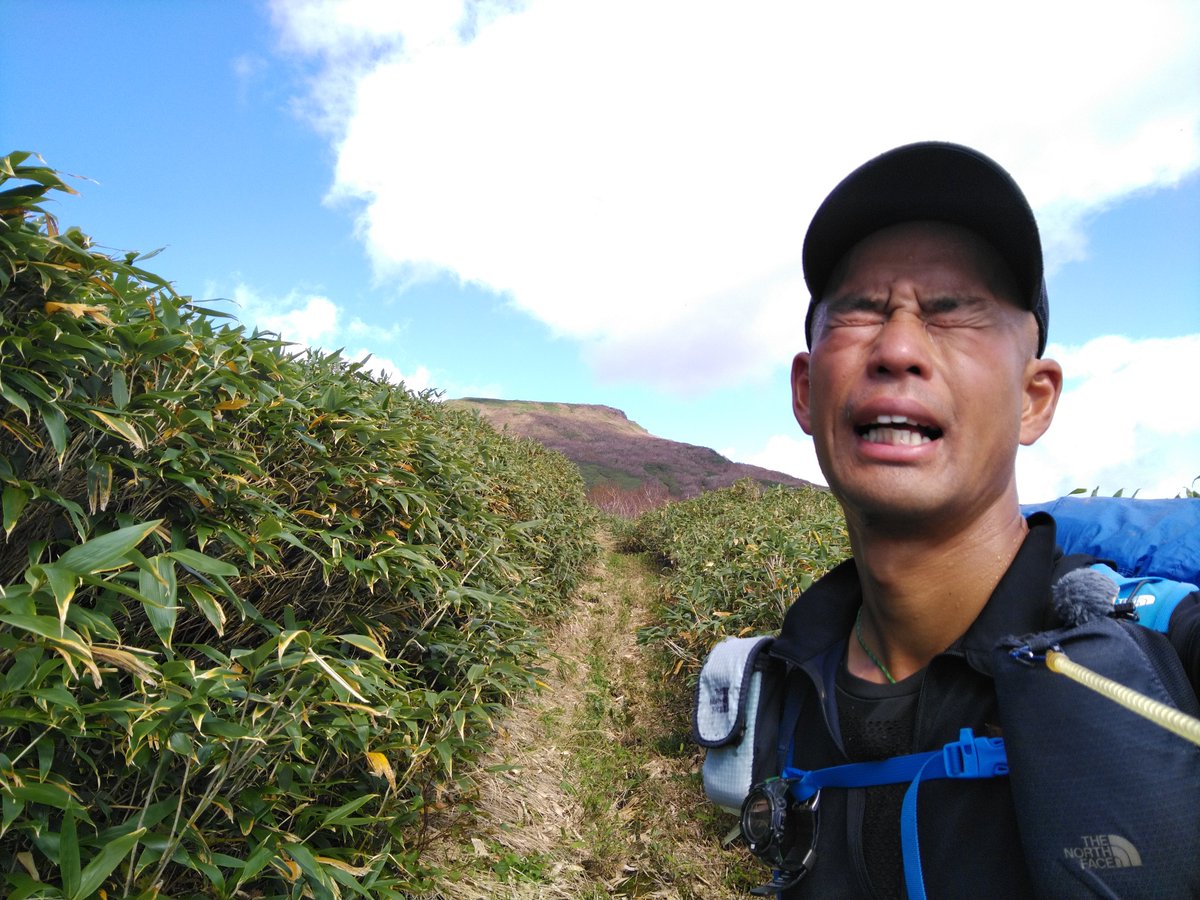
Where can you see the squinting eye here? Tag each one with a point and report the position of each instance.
(842, 316)
(953, 312)
(950, 317)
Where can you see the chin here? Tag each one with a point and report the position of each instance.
(894, 502)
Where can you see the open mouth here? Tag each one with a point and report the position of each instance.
(898, 430)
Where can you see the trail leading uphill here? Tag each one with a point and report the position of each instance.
(590, 788)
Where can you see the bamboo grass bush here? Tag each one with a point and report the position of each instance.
(734, 560)
(256, 606)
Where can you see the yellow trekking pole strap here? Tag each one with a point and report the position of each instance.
(1168, 717)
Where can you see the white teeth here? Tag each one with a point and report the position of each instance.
(896, 436)
(893, 420)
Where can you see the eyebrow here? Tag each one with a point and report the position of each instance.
(855, 301)
(957, 299)
(868, 301)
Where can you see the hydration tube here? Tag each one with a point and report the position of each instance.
(1168, 717)
(1161, 714)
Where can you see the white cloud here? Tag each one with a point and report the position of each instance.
(340, 28)
(638, 175)
(1128, 420)
(790, 454)
(315, 321)
(418, 380)
(311, 321)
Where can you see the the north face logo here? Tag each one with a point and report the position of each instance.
(1104, 851)
(719, 701)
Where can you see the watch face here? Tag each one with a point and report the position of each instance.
(781, 831)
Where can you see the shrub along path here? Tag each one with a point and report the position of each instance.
(591, 788)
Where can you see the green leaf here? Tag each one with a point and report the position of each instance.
(211, 872)
(46, 792)
(209, 605)
(318, 879)
(335, 816)
(160, 596)
(107, 551)
(363, 642)
(62, 583)
(24, 887)
(56, 427)
(180, 743)
(201, 563)
(163, 345)
(121, 427)
(49, 627)
(104, 862)
(12, 807)
(68, 854)
(34, 386)
(14, 398)
(262, 855)
(15, 499)
(120, 388)
(169, 313)
(57, 696)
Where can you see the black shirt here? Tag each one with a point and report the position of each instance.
(877, 722)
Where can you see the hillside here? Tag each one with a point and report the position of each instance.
(609, 448)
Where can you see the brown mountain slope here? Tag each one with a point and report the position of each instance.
(609, 448)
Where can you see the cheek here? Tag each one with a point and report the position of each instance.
(821, 400)
(995, 397)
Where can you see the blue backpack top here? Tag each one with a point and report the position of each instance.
(1143, 537)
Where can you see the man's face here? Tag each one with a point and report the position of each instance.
(922, 378)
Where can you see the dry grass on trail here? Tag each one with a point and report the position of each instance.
(591, 788)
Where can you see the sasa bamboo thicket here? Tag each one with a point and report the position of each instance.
(257, 606)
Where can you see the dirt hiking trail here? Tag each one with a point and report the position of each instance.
(590, 788)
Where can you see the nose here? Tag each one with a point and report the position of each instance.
(901, 346)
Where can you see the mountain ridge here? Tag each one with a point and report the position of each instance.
(611, 449)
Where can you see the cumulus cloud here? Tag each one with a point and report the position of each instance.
(1126, 421)
(316, 322)
(311, 321)
(792, 454)
(638, 175)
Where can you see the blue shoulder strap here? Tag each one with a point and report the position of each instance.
(968, 757)
(1152, 598)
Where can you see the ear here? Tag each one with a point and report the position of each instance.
(1043, 385)
(801, 391)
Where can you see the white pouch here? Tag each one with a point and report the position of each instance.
(729, 698)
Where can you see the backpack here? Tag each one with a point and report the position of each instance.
(1079, 839)
(1142, 537)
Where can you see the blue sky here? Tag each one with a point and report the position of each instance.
(604, 202)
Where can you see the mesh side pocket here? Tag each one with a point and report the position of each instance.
(725, 717)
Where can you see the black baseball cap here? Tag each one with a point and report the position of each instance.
(931, 180)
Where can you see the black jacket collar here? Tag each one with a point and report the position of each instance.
(824, 614)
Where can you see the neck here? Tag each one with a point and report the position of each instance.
(921, 592)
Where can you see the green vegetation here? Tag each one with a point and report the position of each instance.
(735, 560)
(257, 607)
(596, 474)
(633, 767)
(664, 474)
